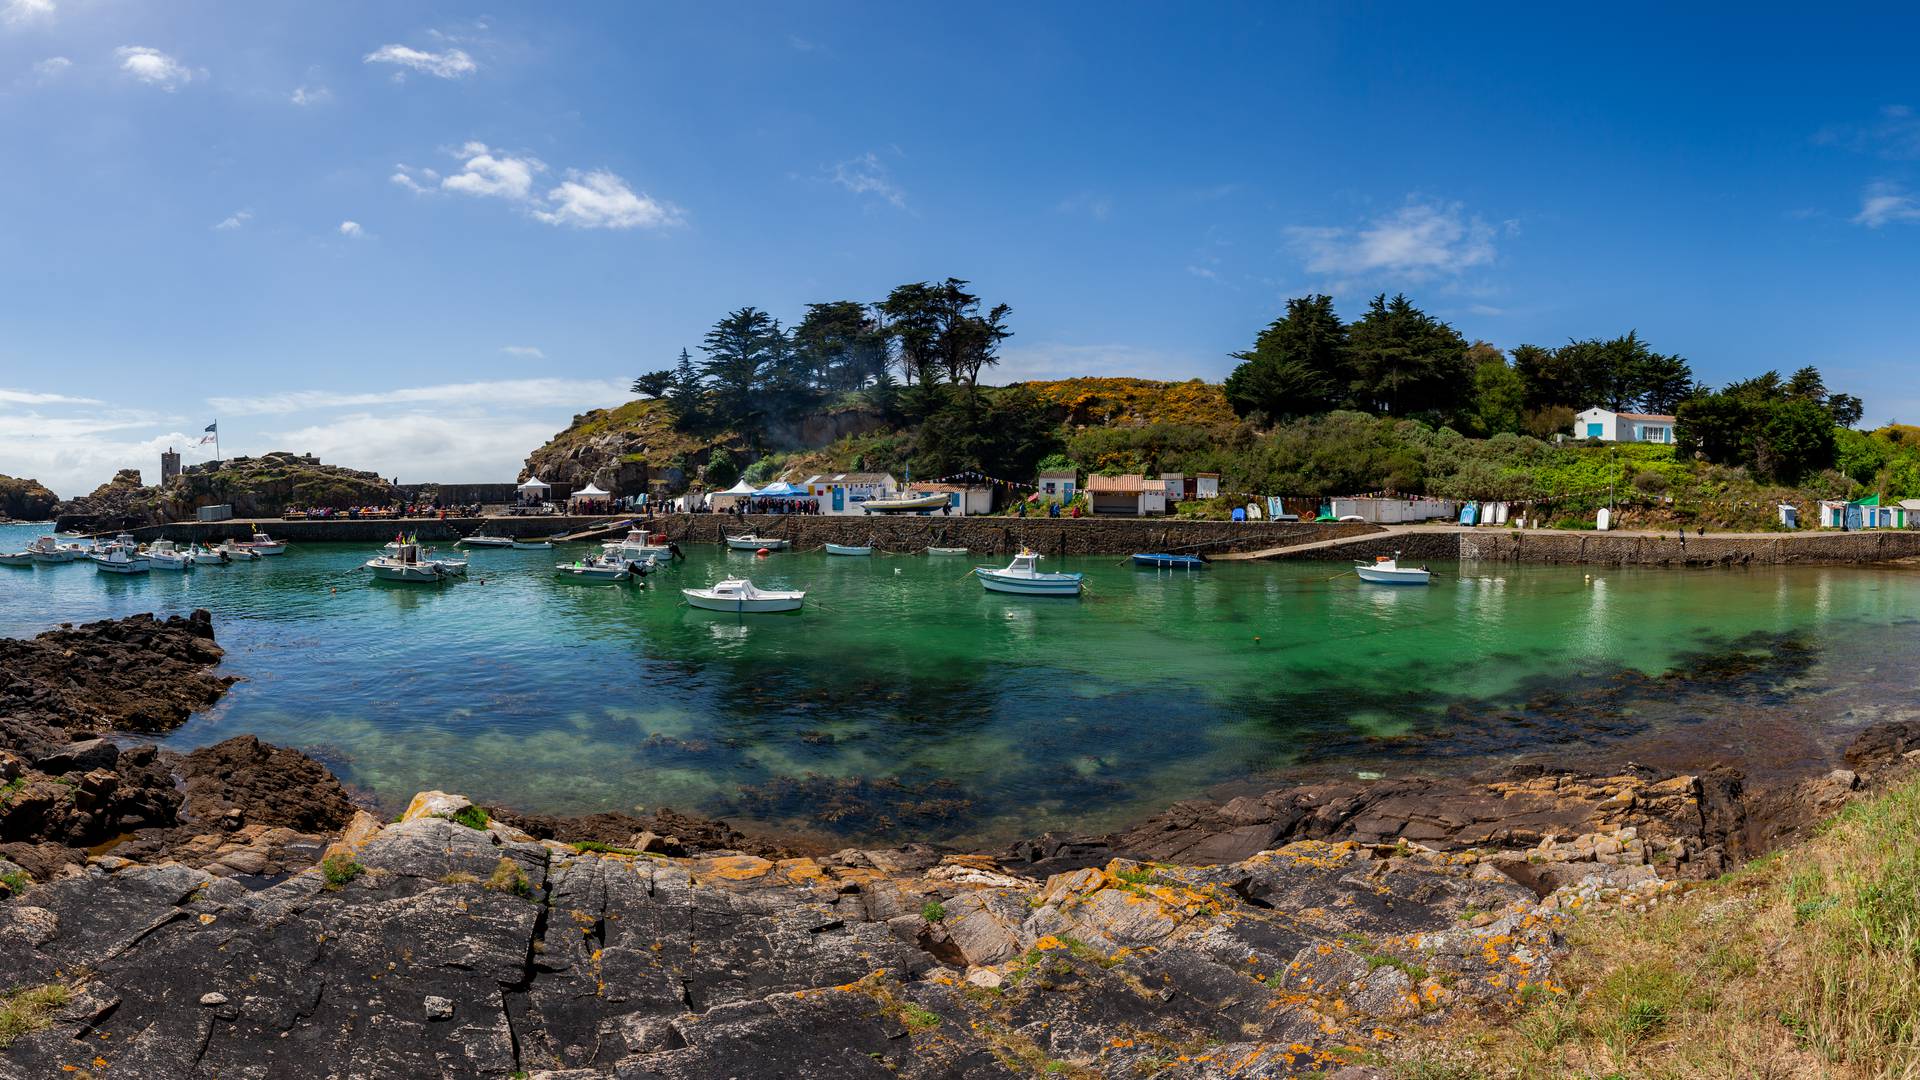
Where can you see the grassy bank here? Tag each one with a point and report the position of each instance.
(1804, 963)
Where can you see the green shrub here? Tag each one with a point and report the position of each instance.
(339, 869)
(933, 911)
(473, 817)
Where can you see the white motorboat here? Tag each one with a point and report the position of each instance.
(124, 541)
(18, 558)
(411, 562)
(265, 545)
(1388, 571)
(120, 560)
(1023, 577)
(206, 556)
(479, 540)
(49, 549)
(947, 551)
(638, 546)
(597, 568)
(755, 543)
(908, 504)
(849, 549)
(532, 545)
(237, 552)
(165, 556)
(738, 595)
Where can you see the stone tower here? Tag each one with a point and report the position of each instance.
(169, 464)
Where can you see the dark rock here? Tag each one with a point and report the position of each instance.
(79, 757)
(1882, 745)
(267, 785)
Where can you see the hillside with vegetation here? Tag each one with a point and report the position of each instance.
(1395, 400)
(25, 500)
(264, 486)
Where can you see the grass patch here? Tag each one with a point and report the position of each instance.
(509, 878)
(473, 817)
(1802, 963)
(933, 911)
(460, 877)
(16, 881)
(340, 869)
(29, 1010)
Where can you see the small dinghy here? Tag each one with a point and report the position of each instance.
(946, 551)
(1388, 571)
(1023, 577)
(479, 540)
(18, 558)
(908, 504)
(597, 568)
(739, 596)
(532, 545)
(849, 549)
(755, 543)
(164, 556)
(1163, 561)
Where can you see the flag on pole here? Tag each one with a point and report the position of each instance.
(212, 435)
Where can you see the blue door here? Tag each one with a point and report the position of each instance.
(839, 498)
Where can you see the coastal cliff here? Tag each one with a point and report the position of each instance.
(255, 487)
(25, 500)
(239, 916)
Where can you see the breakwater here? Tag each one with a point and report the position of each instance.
(375, 530)
(1628, 549)
(1002, 535)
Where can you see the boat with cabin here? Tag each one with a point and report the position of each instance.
(1386, 570)
(751, 542)
(413, 563)
(1023, 577)
(641, 546)
(740, 597)
(908, 504)
(50, 549)
(163, 555)
(601, 567)
(263, 544)
(115, 559)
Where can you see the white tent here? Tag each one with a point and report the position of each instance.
(732, 495)
(532, 485)
(591, 491)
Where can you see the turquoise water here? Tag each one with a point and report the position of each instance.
(907, 701)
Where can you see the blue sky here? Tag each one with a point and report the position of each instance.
(417, 238)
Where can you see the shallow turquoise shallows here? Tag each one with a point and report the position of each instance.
(905, 701)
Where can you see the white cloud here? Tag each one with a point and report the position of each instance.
(601, 200)
(235, 220)
(529, 351)
(155, 68)
(1053, 360)
(1421, 240)
(29, 397)
(868, 175)
(51, 68)
(410, 178)
(304, 96)
(523, 393)
(351, 229)
(27, 12)
(1884, 203)
(1097, 207)
(503, 176)
(451, 64)
(419, 446)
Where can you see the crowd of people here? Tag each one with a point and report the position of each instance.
(397, 510)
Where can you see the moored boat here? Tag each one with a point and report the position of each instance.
(237, 552)
(948, 551)
(481, 540)
(600, 567)
(206, 556)
(739, 596)
(751, 542)
(532, 545)
(165, 556)
(1023, 577)
(18, 558)
(411, 562)
(120, 560)
(640, 546)
(908, 504)
(849, 549)
(1165, 561)
(1388, 571)
(49, 549)
(265, 545)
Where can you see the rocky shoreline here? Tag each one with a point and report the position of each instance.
(229, 912)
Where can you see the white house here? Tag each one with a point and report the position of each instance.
(1206, 485)
(1386, 511)
(1059, 486)
(963, 499)
(1609, 426)
(1133, 495)
(842, 493)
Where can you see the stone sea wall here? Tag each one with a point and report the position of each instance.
(340, 530)
(1623, 549)
(1003, 535)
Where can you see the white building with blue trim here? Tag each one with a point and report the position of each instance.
(1609, 426)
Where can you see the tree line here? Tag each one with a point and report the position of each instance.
(1398, 361)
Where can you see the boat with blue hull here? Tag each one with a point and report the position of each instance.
(1164, 561)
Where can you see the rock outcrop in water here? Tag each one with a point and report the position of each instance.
(25, 500)
(263, 486)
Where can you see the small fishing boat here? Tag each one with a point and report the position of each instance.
(123, 542)
(739, 596)
(1388, 571)
(639, 546)
(478, 540)
(264, 545)
(119, 560)
(1164, 561)
(532, 545)
(755, 543)
(49, 549)
(411, 562)
(165, 556)
(849, 549)
(236, 551)
(596, 568)
(18, 558)
(908, 504)
(206, 556)
(947, 551)
(1023, 577)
